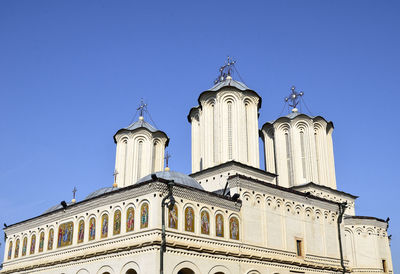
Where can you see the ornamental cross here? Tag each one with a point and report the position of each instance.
(115, 175)
(225, 70)
(294, 97)
(167, 156)
(74, 192)
(142, 107)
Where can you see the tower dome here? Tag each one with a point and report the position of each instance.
(225, 124)
(140, 151)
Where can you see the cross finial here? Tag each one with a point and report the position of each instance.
(115, 178)
(166, 157)
(142, 107)
(74, 193)
(294, 98)
(225, 70)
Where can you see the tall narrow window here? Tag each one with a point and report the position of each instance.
(125, 160)
(289, 159)
(230, 130)
(317, 149)
(247, 129)
(303, 153)
(299, 247)
(214, 137)
(139, 171)
(384, 266)
(153, 164)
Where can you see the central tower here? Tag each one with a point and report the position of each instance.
(225, 123)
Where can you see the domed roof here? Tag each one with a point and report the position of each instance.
(100, 191)
(229, 82)
(178, 178)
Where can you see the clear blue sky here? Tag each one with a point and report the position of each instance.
(73, 72)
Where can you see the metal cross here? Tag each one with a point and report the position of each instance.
(294, 97)
(225, 70)
(74, 192)
(167, 156)
(115, 175)
(142, 107)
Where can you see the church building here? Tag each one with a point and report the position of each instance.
(229, 216)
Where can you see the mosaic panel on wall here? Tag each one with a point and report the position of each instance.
(65, 234)
(189, 219)
(81, 231)
(173, 218)
(41, 241)
(104, 226)
(205, 222)
(92, 229)
(24, 246)
(117, 222)
(10, 250)
(130, 219)
(219, 225)
(144, 215)
(51, 239)
(16, 249)
(234, 228)
(33, 244)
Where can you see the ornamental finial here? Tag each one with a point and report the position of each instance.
(74, 193)
(225, 72)
(294, 98)
(167, 156)
(142, 107)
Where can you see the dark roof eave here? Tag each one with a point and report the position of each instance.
(249, 90)
(324, 187)
(366, 218)
(285, 118)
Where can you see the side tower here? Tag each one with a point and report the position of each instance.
(299, 148)
(225, 124)
(140, 151)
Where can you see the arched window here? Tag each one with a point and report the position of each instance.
(24, 246)
(173, 217)
(205, 222)
(189, 219)
(139, 167)
(92, 229)
(104, 226)
(33, 244)
(10, 246)
(130, 219)
(185, 271)
(289, 158)
(81, 231)
(247, 116)
(50, 240)
(131, 271)
(229, 130)
(16, 251)
(303, 153)
(41, 241)
(234, 228)
(117, 222)
(144, 215)
(219, 225)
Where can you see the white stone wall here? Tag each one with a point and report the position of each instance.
(224, 128)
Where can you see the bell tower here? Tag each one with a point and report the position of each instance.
(225, 123)
(140, 150)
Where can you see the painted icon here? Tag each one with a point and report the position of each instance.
(144, 215)
(219, 225)
(117, 222)
(205, 222)
(173, 218)
(130, 219)
(189, 219)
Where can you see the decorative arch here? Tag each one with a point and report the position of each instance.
(105, 269)
(219, 224)
(205, 221)
(117, 221)
(83, 271)
(130, 266)
(185, 265)
(81, 230)
(253, 272)
(130, 218)
(173, 217)
(189, 218)
(219, 269)
(144, 215)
